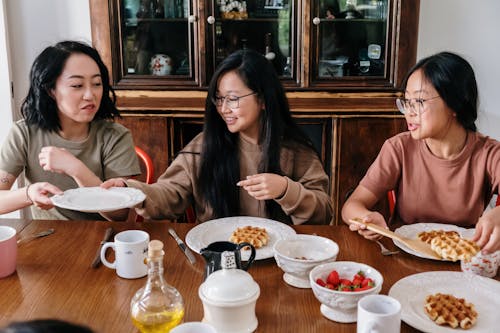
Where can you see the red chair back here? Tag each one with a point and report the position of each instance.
(150, 170)
(148, 164)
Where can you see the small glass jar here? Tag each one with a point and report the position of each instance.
(482, 264)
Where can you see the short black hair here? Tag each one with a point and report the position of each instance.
(39, 108)
(454, 80)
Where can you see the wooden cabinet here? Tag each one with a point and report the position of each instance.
(341, 74)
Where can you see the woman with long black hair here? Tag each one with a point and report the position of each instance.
(251, 158)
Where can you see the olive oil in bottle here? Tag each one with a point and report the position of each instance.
(157, 307)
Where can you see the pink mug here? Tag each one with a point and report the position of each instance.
(8, 251)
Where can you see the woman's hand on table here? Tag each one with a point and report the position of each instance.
(372, 217)
(487, 233)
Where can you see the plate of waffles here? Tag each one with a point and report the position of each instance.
(436, 301)
(446, 233)
(260, 232)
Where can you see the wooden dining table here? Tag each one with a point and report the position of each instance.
(54, 278)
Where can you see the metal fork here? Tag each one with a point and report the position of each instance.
(385, 251)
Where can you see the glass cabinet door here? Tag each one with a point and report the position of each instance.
(156, 43)
(350, 42)
(267, 26)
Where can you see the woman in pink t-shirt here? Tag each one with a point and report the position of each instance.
(442, 169)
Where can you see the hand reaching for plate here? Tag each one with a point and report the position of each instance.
(114, 182)
(38, 194)
(487, 233)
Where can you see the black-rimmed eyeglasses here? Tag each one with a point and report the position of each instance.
(232, 101)
(413, 104)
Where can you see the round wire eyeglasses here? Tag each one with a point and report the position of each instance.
(232, 101)
(415, 105)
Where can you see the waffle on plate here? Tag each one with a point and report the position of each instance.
(445, 309)
(427, 236)
(449, 245)
(256, 236)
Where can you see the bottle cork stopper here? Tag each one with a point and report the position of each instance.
(155, 249)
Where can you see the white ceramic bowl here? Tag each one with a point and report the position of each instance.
(297, 255)
(341, 306)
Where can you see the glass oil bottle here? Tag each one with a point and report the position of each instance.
(157, 307)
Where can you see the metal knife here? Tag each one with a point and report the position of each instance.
(107, 236)
(182, 246)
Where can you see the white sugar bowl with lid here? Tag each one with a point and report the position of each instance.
(229, 296)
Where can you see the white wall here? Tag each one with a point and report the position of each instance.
(5, 78)
(32, 25)
(471, 29)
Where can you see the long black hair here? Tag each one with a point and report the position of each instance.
(454, 80)
(39, 108)
(219, 171)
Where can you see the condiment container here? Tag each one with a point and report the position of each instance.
(229, 296)
(482, 264)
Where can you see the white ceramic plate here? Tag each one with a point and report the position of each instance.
(412, 290)
(97, 199)
(412, 230)
(221, 230)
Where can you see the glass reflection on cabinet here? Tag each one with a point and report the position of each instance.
(352, 38)
(155, 37)
(262, 25)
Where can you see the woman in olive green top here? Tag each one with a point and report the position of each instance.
(65, 139)
(251, 159)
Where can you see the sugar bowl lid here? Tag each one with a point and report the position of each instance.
(229, 284)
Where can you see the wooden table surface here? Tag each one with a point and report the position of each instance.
(54, 278)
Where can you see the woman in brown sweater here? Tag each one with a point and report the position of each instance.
(251, 158)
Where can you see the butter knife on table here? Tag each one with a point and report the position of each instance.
(182, 246)
(107, 236)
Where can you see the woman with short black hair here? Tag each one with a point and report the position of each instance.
(67, 138)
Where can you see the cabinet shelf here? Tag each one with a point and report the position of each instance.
(134, 22)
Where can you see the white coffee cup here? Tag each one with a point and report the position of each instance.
(131, 249)
(8, 251)
(379, 314)
(194, 327)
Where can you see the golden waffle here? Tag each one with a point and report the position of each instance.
(454, 248)
(446, 309)
(427, 236)
(256, 236)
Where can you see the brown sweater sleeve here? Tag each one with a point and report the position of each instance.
(306, 198)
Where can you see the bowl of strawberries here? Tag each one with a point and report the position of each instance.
(340, 285)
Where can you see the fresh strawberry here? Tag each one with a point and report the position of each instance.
(356, 282)
(333, 278)
(367, 282)
(345, 282)
(330, 286)
(320, 282)
(344, 288)
(362, 288)
(359, 275)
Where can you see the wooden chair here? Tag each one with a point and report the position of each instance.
(391, 197)
(146, 160)
(148, 164)
(190, 215)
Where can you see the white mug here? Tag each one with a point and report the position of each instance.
(8, 251)
(379, 314)
(131, 249)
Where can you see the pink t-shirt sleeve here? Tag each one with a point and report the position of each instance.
(385, 172)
